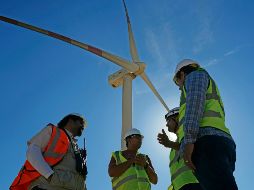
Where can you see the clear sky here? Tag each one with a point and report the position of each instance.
(43, 79)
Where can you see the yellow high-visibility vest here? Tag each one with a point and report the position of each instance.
(180, 173)
(134, 178)
(214, 115)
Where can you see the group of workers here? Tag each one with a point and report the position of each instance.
(202, 158)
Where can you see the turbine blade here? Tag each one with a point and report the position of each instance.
(113, 58)
(135, 58)
(133, 49)
(149, 83)
(106, 55)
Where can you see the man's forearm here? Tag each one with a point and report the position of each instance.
(117, 170)
(152, 175)
(34, 156)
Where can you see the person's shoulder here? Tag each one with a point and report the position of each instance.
(203, 72)
(114, 153)
(47, 129)
(198, 73)
(41, 136)
(147, 157)
(143, 154)
(117, 151)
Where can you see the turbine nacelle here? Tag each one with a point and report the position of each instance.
(116, 79)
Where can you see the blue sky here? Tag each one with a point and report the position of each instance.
(43, 79)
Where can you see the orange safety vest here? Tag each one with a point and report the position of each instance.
(53, 154)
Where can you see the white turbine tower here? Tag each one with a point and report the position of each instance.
(122, 77)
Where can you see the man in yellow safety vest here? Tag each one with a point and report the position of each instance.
(129, 169)
(206, 143)
(182, 178)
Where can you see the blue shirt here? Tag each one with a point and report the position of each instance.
(196, 84)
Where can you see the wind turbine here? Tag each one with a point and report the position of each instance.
(122, 77)
(127, 77)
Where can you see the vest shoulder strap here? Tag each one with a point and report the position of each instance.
(116, 155)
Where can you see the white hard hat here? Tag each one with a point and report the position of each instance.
(184, 63)
(132, 131)
(172, 112)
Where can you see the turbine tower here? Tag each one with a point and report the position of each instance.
(130, 69)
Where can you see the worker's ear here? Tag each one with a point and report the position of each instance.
(182, 75)
(70, 122)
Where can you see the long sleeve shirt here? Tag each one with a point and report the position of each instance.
(196, 84)
(36, 145)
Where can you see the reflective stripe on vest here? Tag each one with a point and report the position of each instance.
(213, 116)
(180, 173)
(49, 150)
(53, 154)
(134, 177)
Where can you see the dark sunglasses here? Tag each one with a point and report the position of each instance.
(136, 136)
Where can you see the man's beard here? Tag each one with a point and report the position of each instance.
(79, 133)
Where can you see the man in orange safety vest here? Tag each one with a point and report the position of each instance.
(54, 160)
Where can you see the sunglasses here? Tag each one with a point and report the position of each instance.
(136, 136)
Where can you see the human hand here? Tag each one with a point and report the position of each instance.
(163, 139)
(140, 160)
